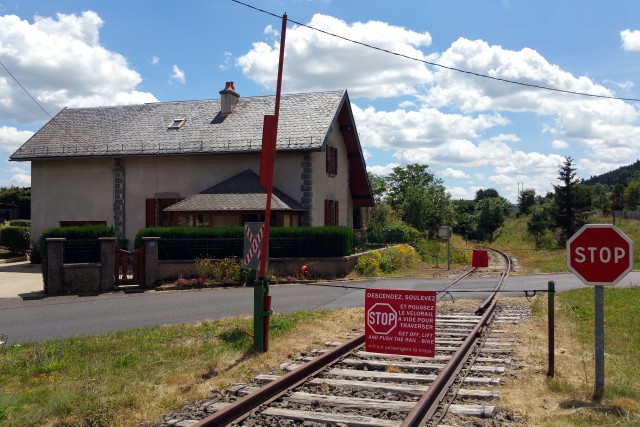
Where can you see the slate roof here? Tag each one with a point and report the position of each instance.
(238, 193)
(132, 130)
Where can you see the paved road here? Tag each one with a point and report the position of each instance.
(27, 320)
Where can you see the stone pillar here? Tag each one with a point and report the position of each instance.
(55, 267)
(118, 198)
(150, 245)
(107, 263)
(306, 187)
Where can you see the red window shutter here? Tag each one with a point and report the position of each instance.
(332, 160)
(150, 213)
(327, 212)
(336, 221)
(328, 161)
(335, 161)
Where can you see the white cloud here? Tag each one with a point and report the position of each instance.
(405, 105)
(426, 126)
(559, 144)
(20, 177)
(464, 193)
(454, 173)
(316, 61)
(227, 61)
(178, 75)
(155, 60)
(451, 120)
(382, 170)
(12, 138)
(630, 40)
(61, 63)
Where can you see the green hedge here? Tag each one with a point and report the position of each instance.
(213, 242)
(16, 239)
(81, 232)
(396, 234)
(20, 222)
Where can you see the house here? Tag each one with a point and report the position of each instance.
(196, 163)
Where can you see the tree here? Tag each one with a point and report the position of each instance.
(490, 215)
(19, 196)
(463, 220)
(571, 202)
(539, 223)
(526, 200)
(378, 187)
(418, 197)
(486, 193)
(383, 217)
(632, 195)
(401, 179)
(426, 208)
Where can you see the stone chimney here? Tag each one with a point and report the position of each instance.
(228, 99)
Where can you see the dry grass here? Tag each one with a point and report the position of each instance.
(126, 378)
(241, 367)
(565, 399)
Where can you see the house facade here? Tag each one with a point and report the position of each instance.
(196, 163)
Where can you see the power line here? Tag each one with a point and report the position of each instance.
(25, 90)
(435, 64)
(37, 103)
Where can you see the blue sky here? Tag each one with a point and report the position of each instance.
(473, 132)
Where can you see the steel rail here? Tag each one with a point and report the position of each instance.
(242, 407)
(437, 390)
(274, 389)
(465, 274)
(427, 404)
(499, 286)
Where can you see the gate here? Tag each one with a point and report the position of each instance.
(129, 268)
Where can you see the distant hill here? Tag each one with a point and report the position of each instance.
(622, 175)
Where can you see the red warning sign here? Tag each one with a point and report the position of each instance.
(400, 322)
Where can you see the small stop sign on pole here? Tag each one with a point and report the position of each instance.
(599, 254)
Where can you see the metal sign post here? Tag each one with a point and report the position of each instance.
(262, 302)
(599, 341)
(445, 233)
(600, 255)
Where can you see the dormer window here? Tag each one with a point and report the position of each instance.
(177, 123)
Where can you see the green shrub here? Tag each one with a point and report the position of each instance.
(369, 264)
(16, 239)
(387, 260)
(35, 256)
(426, 249)
(20, 222)
(219, 271)
(223, 242)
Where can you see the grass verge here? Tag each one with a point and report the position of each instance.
(126, 378)
(565, 400)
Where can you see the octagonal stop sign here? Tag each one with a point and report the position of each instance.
(382, 318)
(600, 254)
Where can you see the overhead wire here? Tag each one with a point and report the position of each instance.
(37, 103)
(435, 64)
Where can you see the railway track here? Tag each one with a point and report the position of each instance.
(345, 385)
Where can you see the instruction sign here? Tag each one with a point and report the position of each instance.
(400, 322)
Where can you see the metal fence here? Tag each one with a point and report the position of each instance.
(635, 215)
(188, 249)
(81, 251)
(279, 247)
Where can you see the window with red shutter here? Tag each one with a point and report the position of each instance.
(332, 160)
(330, 212)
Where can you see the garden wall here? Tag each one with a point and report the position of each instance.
(326, 268)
